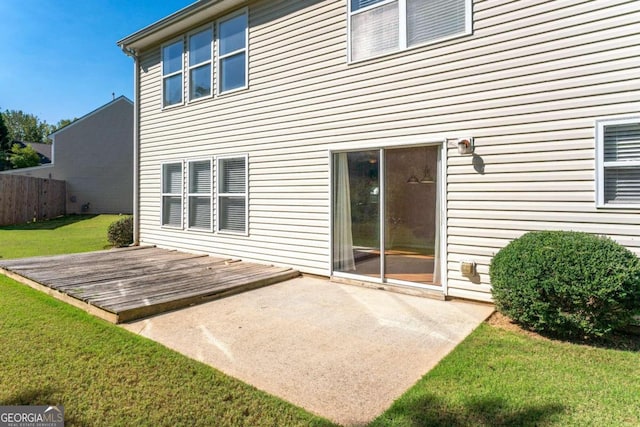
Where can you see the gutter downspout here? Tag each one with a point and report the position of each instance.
(136, 143)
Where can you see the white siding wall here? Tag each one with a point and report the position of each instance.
(528, 85)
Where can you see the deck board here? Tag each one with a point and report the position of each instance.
(121, 285)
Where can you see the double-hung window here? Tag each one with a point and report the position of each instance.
(172, 194)
(229, 65)
(232, 52)
(172, 81)
(200, 64)
(199, 195)
(618, 162)
(232, 194)
(377, 27)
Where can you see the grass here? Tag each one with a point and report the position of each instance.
(53, 353)
(509, 378)
(68, 234)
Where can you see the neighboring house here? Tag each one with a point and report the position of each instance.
(94, 155)
(394, 142)
(44, 150)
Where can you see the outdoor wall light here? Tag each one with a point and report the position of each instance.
(465, 145)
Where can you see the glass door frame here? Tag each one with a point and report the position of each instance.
(442, 218)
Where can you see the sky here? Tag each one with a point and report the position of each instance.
(59, 58)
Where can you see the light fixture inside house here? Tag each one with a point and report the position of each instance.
(427, 178)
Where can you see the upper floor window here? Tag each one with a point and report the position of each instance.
(190, 63)
(618, 162)
(200, 66)
(172, 73)
(232, 52)
(378, 27)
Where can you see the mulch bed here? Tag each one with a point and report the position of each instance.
(618, 341)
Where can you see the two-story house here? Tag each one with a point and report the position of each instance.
(395, 142)
(93, 155)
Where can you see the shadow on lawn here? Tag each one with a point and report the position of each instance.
(428, 410)
(40, 396)
(50, 224)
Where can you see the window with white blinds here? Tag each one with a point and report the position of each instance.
(172, 194)
(232, 194)
(618, 158)
(200, 194)
(382, 26)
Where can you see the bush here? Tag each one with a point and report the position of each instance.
(120, 232)
(566, 284)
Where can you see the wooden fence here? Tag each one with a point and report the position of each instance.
(25, 198)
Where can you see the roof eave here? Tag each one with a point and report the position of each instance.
(177, 22)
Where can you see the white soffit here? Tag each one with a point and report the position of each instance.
(177, 23)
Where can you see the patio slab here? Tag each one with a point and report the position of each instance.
(340, 351)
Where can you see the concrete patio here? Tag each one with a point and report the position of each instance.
(343, 352)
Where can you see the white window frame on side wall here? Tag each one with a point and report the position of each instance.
(174, 73)
(402, 28)
(163, 194)
(602, 164)
(190, 194)
(220, 58)
(221, 195)
(211, 63)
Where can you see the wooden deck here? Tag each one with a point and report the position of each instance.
(121, 285)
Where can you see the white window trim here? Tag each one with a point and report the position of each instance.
(601, 164)
(219, 194)
(402, 41)
(175, 73)
(163, 195)
(187, 53)
(219, 58)
(190, 194)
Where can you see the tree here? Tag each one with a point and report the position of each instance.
(62, 123)
(4, 143)
(26, 127)
(23, 157)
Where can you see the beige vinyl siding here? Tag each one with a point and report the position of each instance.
(528, 84)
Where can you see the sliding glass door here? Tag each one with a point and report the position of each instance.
(386, 215)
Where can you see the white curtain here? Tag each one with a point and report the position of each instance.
(342, 236)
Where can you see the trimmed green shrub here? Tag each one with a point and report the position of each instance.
(120, 232)
(566, 284)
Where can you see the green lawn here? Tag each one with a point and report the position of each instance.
(69, 234)
(53, 353)
(499, 377)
